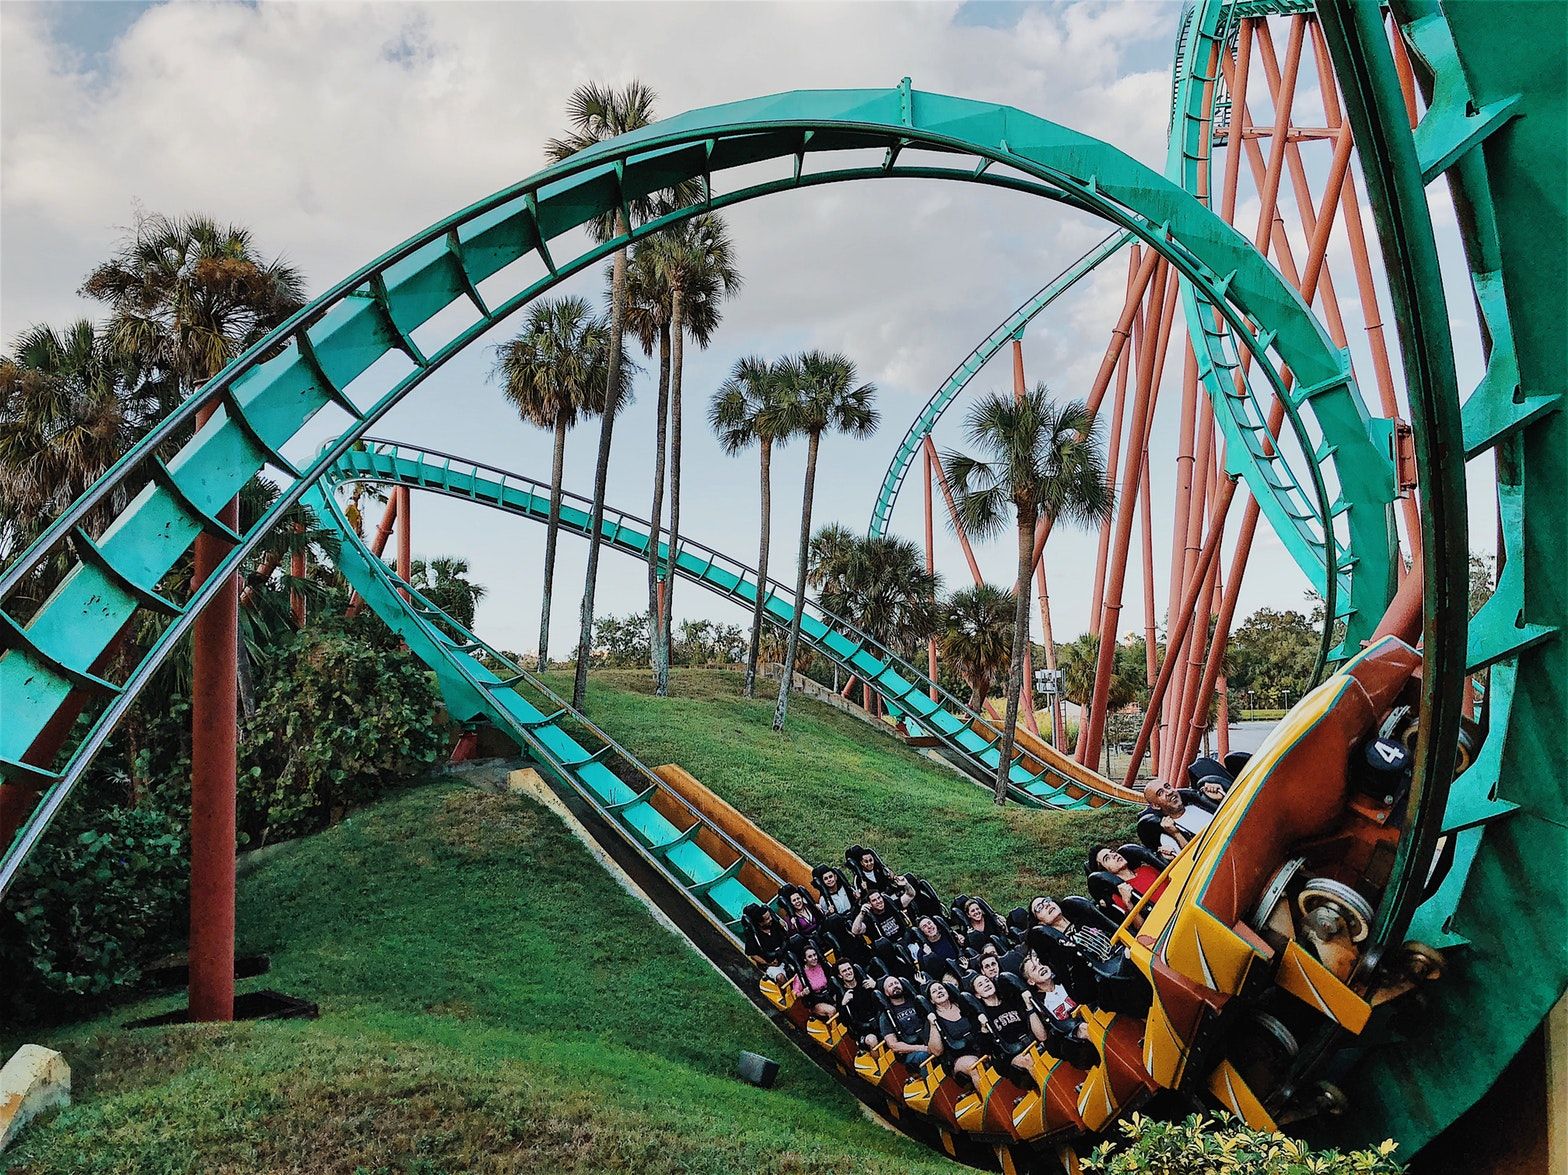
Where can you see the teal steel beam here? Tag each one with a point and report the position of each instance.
(375, 311)
(970, 366)
(1059, 783)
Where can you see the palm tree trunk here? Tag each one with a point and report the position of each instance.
(786, 679)
(1015, 671)
(552, 535)
(764, 529)
(601, 471)
(677, 358)
(661, 435)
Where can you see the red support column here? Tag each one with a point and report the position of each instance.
(378, 544)
(952, 509)
(297, 572)
(1148, 588)
(1113, 455)
(214, 774)
(1162, 305)
(405, 554)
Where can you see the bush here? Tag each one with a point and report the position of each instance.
(1199, 1146)
(344, 717)
(98, 896)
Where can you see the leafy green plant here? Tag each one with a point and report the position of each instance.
(99, 895)
(344, 717)
(1203, 1146)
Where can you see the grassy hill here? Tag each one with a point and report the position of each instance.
(830, 780)
(491, 1002)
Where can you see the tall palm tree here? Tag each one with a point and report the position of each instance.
(596, 112)
(1045, 461)
(444, 582)
(696, 261)
(885, 591)
(648, 321)
(827, 567)
(976, 636)
(69, 407)
(553, 373)
(187, 294)
(825, 395)
(877, 583)
(746, 410)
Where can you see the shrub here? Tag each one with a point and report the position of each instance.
(98, 896)
(344, 717)
(1200, 1146)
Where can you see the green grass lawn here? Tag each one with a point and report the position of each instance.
(491, 1002)
(830, 780)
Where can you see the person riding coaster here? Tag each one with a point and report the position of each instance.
(977, 923)
(1280, 889)
(867, 873)
(1119, 877)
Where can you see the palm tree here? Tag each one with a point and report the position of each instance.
(696, 262)
(444, 582)
(825, 394)
(1044, 460)
(832, 549)
(976, 636)
(186, 295)
(69, 407)
(885, 591)
(596, 112)
(648, 321)
(553, 373)
(746, 409)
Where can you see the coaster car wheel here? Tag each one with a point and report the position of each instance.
(1275, 891)
(1346, 902)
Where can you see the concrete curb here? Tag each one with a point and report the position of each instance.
(35, 1079)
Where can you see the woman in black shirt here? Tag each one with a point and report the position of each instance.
(955, 1030)
(1009, 1016)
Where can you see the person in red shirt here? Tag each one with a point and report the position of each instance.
(1124, 881)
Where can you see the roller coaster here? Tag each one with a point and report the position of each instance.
(1440, 880)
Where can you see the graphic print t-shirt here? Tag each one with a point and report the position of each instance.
(907, 1021)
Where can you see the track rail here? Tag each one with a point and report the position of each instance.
(953, 386)
(1492, 129)
(1045, 779)
(486, 262)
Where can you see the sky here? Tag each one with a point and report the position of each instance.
(335, 131)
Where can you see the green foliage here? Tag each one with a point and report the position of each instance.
(1198, 1146)
(703, 643)
(621, 641)
(444, 582)
(92, 898)
(1272, 655)
(1483, 581)
(492, 1003)
(344, 717)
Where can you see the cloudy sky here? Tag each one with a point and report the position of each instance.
(336, 130)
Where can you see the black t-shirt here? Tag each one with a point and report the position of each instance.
(942, 950)
(906, 1021)
(962, 1035)
(887, 924)
(1010, 1021)
(863, 1008)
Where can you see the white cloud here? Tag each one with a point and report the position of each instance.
(336, 130)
